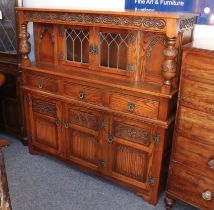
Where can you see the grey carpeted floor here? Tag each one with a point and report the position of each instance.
(42, 183)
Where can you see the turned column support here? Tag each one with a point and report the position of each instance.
(169, 66)
(24, 44)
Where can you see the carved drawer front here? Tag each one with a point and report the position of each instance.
(134, 105)
(198, 95)
(41, 83)
(83, 93)
(190, 187)
(196, 124)
(195, 155)
(199, 67)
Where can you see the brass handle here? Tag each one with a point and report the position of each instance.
(58, 122)
(110, 139)
(66, 125)
(207, 195)
(211, 164)
(81, 95)
(102, 163)
(40, 85)
(131, 106)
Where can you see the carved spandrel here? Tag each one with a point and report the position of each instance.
(44, 107)
(169, 66)
(132, 133)
(24, 44)
(97, 19)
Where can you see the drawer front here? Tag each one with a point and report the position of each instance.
(134, 105)
(41, 83)
(199, 67)
(191, 188)
(198, 95)
(195, 155)
(83, 93)
(196, 124)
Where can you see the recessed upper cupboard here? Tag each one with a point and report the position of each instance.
(131, 54)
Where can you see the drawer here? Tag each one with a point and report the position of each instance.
(196, 155)
(84, 93)
(199, 67)
(198, 95)
(196, 124)
(190, 187)
(41, 83)
(134, 105)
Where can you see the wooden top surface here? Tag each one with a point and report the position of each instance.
(172, 15)
(202, 44)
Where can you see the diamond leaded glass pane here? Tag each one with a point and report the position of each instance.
(114, 50)
(7, 27)
(77, 44)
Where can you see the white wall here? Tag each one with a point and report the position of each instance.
(84, 4)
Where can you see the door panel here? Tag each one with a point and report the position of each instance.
(45, 124)
(130, 151)
(84, 134)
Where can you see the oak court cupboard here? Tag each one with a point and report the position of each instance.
(102, 91)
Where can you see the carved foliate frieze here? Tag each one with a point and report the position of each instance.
(117, 20)
(132, 133)
(44, 107)
(83, 119)
(187, 24)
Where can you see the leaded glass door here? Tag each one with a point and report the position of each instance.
(7, 27)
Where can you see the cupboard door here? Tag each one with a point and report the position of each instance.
(130, 152)
(118, 51)
(85, 129)
(45, 118)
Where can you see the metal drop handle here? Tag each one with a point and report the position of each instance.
(58, 122)
(81, 95)
(40, 85)
(131, 106)
(207, 195)
(110, 139)
(211, 164)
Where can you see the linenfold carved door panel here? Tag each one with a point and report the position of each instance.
(85, 131)
(130, 151)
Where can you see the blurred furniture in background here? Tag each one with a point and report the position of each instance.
(191, 173)
(11, 112)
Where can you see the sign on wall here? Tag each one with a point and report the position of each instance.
(204, 7)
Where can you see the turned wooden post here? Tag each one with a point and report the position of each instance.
(169, 66)
(24, 44)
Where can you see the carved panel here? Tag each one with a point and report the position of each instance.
(131, 163)
(132, 133)
(187, 24)
(97, 19)
(153, 45)
(44, 107)
(83, 119)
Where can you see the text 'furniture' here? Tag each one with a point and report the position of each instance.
(102, 91)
